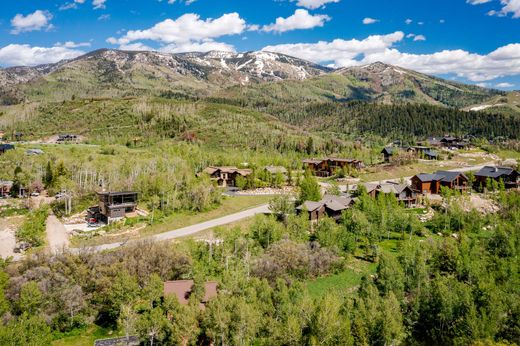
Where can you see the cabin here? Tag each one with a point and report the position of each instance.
(116, 205)
(388, 153)
(454, 143)
(5, 147)
(430, 155)
(5, 187)
(330, 205)
(274, 170)
(226, 176)
(328, 166)
(508, 175)
(403, 192)
(182, 290)
(432, 183)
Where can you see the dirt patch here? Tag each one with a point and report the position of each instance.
(8, 227)
(479, 203)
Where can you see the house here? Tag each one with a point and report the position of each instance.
(430, 155)
(328, 166)
(508, 175)
(418, 149)
(454, 143)
(330, 205)
(432, 183)
(273, 170)
(5, 147)
(5, 187)
(388, 153)
(403, 192)
(116, 205)
(182, 290)
(226, 176)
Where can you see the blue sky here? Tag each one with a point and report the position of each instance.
(474, 41)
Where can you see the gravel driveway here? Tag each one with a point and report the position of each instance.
(57, 235)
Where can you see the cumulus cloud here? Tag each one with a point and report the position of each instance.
(72, 44)
(24, 54)
(187, 28)
(99, 4)
(508, 6)
(314, 4)
(477, 2)
(301, 19)
(504, 61)
(197, 47)
(369, 20)
(504, 85)
(416, 37)
(32, 22)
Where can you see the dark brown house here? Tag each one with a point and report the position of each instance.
(431, 183)
(508, 175)
(331, 206)
(328, 166)
(403, 192)
(388, 153)
(116, 205)
(226, 176)
(182, 290)
(5, 147)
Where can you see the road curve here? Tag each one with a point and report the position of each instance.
(182, 232)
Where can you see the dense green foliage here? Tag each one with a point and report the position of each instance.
(32, 231)
(426, 290)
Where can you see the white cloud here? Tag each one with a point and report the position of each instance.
(301, 19)
(504, 85)
(419, 38)
(197, 47)
(504, 61)
(99, 4)
(24, 54)
(70, 5)
(408, 21)
(71, 44)
(477, 2)
(104, 17)
(187, 28)
(314, 4)
(369, 20)
(32, 22)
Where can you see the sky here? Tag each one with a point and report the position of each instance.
(471, 41)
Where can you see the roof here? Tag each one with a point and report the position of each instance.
(431, 153)
(388, 151)
(494, 172)
(182, 289)
(448, 139)
(6, 183)
(276, 169)
(313, 161)
(6, 146)
(310, 206)
(227, 169)
(121, 193)
(443, 176)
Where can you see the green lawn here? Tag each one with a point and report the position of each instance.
(229, 206)
(86, 337)
(341, 282)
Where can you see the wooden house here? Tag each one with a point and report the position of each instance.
(182, 290)
(328, 166)
(432, 183)
(116, 205)
(331, 206)
(507, 175)
(226, 176)
(403, 192)
(273, 170)
(388, 153)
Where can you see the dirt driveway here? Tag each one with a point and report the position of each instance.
(57, 235)
(8, 227)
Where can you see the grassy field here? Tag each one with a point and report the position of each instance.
(86, 337)
(342, 282)
(229, 206)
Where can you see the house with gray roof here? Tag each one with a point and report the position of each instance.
(508, 175)
(330, 205)
(432, 182)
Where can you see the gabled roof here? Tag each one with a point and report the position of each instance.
(388, 151)
(494, 172)
(431, 153)
(310, 206)
(227, 169)
(276, 169)
(182, 289)
(449, 176)
(313, 161)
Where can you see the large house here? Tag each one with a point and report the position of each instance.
(403, 192)
(328, 166)
(226, 176)
(182, 290)
(432, 183)
(116, 205)
(508, 175)
(330, 205)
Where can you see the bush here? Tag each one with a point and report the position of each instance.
(32, 230)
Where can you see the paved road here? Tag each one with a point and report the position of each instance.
(57, 235)
(190, 230)
(185, 231)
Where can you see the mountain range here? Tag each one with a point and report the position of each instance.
(264, 75)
